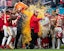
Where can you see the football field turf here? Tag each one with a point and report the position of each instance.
(32, 50)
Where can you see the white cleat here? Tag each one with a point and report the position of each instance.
(58, 48)
(53, 47)
(11, 46)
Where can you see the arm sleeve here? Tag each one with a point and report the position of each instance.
(37, 19)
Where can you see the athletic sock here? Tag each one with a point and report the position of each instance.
(3, 41)
(9, 39)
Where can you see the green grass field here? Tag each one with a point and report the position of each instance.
(32, 50)
(62, 49)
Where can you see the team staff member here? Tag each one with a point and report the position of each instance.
(34, 26)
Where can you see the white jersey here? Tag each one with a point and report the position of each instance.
(45, 21)
(59, 22)
(14, 22)
(46, 28)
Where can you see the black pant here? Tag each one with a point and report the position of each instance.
(34, 37)
(17, 37)
(1, 36)
(19, 27)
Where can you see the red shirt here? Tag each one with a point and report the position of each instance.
(6, 20)
(1, 24)
(34, 23)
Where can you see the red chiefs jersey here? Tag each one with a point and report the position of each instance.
(6, 20)
(59, 20)
(14, 22)
(59, 35)
(1, 24)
